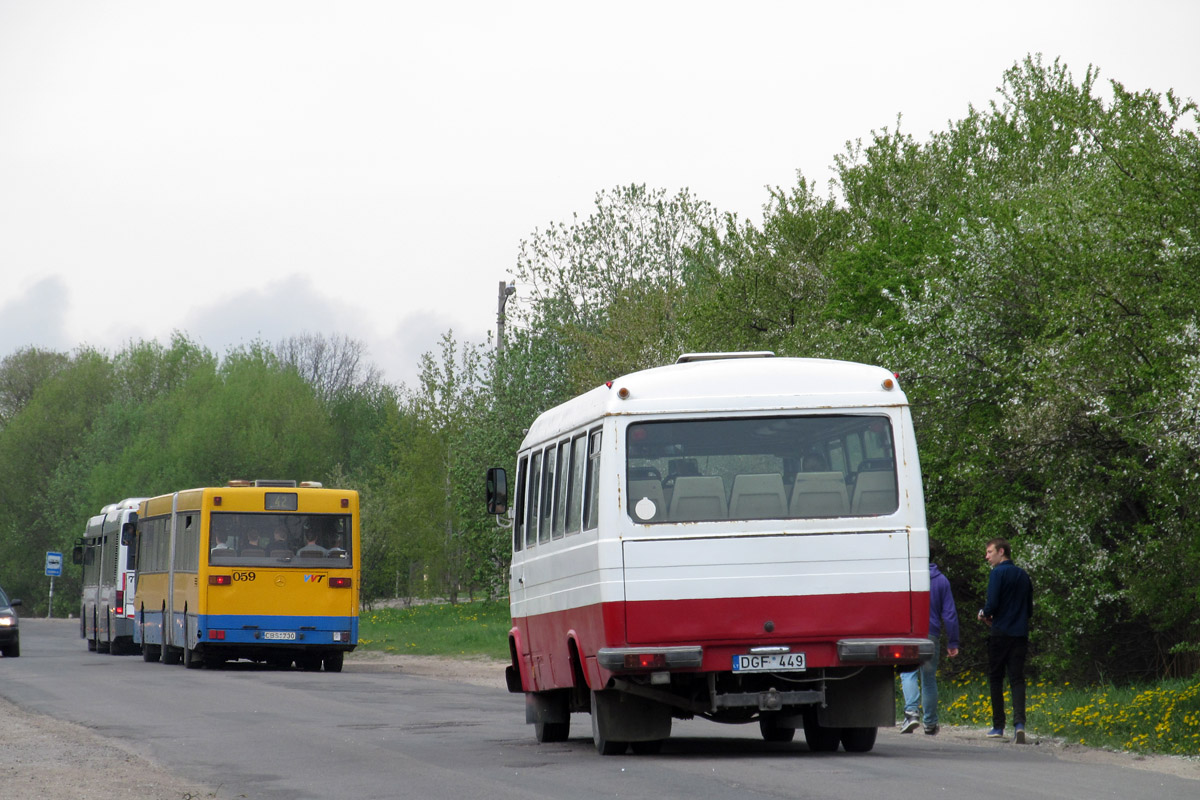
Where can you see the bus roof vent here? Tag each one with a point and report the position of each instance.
(689, 357)
(268, 482)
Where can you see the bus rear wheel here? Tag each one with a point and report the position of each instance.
(772, 731)
(820, 738)
(859, 740)
(333, 661)
(150, 652)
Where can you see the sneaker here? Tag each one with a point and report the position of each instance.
(996, 733)
(931, 730)
(910, 724)
(1019, 734)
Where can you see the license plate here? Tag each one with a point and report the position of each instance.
(280, 635)
(776, 662)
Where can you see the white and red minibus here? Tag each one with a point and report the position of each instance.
(735, 536)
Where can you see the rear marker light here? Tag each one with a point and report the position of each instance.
(220, 580)
(645, 661)
(217, 636)
(339, 583)
(906, 652)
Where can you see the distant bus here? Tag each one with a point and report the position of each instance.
(736, 537)
(263, 570)
(105, 552)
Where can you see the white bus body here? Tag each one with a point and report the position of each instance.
(737, 538)
(105, 551)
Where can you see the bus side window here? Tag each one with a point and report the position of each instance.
(518, 506)
(546, 507)
(534, 492)
(578, 464)
(591, 503)
(562, 482)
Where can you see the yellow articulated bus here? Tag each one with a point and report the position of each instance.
(262, 570)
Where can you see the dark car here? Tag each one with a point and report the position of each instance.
(10, 631)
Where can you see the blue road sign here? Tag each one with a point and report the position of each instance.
(53, 564)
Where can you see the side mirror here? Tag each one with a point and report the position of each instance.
(16, 601)
(497, 491)
(77, 554)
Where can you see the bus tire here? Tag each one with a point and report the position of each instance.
(332, 662)
(309, 662)
(772, 731)
(171, 655)
(191, 659)
(604, 719)
(149, 651)
(820, 739)
(859, 740)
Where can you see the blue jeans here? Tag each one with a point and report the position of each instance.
(920, 690)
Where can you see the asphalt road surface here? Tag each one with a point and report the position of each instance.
(367, 733)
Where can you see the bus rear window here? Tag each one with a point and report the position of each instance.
(298, 540)
(783, 467)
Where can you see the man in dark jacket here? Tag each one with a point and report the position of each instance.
(920, 685)
(1007, 612)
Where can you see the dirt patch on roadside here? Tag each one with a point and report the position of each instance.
(50, 759)
(476, 671)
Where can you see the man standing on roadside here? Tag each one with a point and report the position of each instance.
(1007, 612)
(920, 685)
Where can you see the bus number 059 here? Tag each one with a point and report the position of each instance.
(243, 576)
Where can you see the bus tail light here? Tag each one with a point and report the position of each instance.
(121, 597)
(898, 652)
(341, 636)
(885, 651)
(339, 583)
(220, 580)
(216, 636)
(645, 661)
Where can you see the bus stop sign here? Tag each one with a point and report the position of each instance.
(53, 564)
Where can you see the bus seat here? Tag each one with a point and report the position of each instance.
(285, 552)
(758, 497)
(253, 552)
(698, 498)
(651, 489)
(819, 494)
(302, 553)
(874, 493)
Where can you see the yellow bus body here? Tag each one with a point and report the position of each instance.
(213, 585)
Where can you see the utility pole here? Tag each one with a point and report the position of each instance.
(506, 290)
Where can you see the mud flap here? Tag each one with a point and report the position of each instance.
(866, 700)
(623, 717)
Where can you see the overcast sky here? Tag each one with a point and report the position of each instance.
(253, 170)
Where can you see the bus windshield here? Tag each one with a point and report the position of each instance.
(277, 539)
(781, 467)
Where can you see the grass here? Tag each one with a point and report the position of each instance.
(1162, 718)
(438, 629)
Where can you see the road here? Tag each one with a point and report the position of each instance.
(367, 733)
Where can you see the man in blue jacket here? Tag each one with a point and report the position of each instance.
(1007, 612)
(920, 685)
